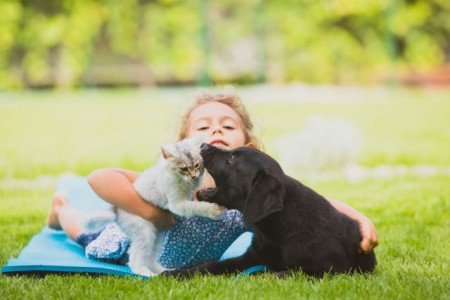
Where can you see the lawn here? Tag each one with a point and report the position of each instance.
(45, 134)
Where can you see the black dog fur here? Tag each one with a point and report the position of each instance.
(294, 227)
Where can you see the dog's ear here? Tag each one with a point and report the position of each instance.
(266, 198)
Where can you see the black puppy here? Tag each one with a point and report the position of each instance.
(294, 227)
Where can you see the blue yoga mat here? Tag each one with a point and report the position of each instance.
(51, 251)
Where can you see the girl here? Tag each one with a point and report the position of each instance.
(192, 241)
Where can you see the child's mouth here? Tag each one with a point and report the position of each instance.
(218, 143)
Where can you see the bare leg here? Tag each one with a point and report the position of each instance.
(64, 217)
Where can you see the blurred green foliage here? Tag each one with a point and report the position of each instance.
(69, 43)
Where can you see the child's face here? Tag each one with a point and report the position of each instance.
(220, 122)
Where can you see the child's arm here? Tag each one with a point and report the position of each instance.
(115, 186)
(366, 227)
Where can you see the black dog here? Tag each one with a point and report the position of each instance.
(294, 227)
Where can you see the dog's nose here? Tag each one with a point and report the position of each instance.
(205, 150)
(204, 146)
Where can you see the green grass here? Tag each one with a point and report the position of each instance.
(45, 134)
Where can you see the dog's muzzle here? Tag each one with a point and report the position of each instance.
(204, 147)
(206, 150)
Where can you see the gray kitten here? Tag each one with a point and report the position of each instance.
(169, 185)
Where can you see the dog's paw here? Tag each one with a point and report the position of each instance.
(206, 194)
(175, 273)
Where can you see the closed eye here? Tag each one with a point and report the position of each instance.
(203, 128)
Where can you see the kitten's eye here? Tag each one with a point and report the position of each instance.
(231, 158)
(184, 169)
(197, 165)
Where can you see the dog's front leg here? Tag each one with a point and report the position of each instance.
(229, 266)
(211, 195)
(206, 194)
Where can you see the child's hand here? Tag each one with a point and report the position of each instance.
(369, 234)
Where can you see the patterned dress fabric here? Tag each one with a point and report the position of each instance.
(190, 242)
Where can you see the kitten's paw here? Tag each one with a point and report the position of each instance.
(141, 270)
(214, 211)
(157, 268)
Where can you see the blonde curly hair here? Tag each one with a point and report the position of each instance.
(230, 98)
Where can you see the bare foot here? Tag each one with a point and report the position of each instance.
(59, 200)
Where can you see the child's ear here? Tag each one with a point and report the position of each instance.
(250, 145)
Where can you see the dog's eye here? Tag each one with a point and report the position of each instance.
(230, 158)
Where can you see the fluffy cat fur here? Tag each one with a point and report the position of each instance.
(169, 185)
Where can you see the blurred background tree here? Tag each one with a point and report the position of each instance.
(82, 43)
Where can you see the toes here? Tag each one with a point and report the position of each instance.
(59, 199)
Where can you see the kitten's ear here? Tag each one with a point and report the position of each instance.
(198, 139)
(168, 151)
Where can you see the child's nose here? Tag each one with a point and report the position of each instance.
(216, 129)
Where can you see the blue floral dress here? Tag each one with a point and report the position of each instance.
(190, 242)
